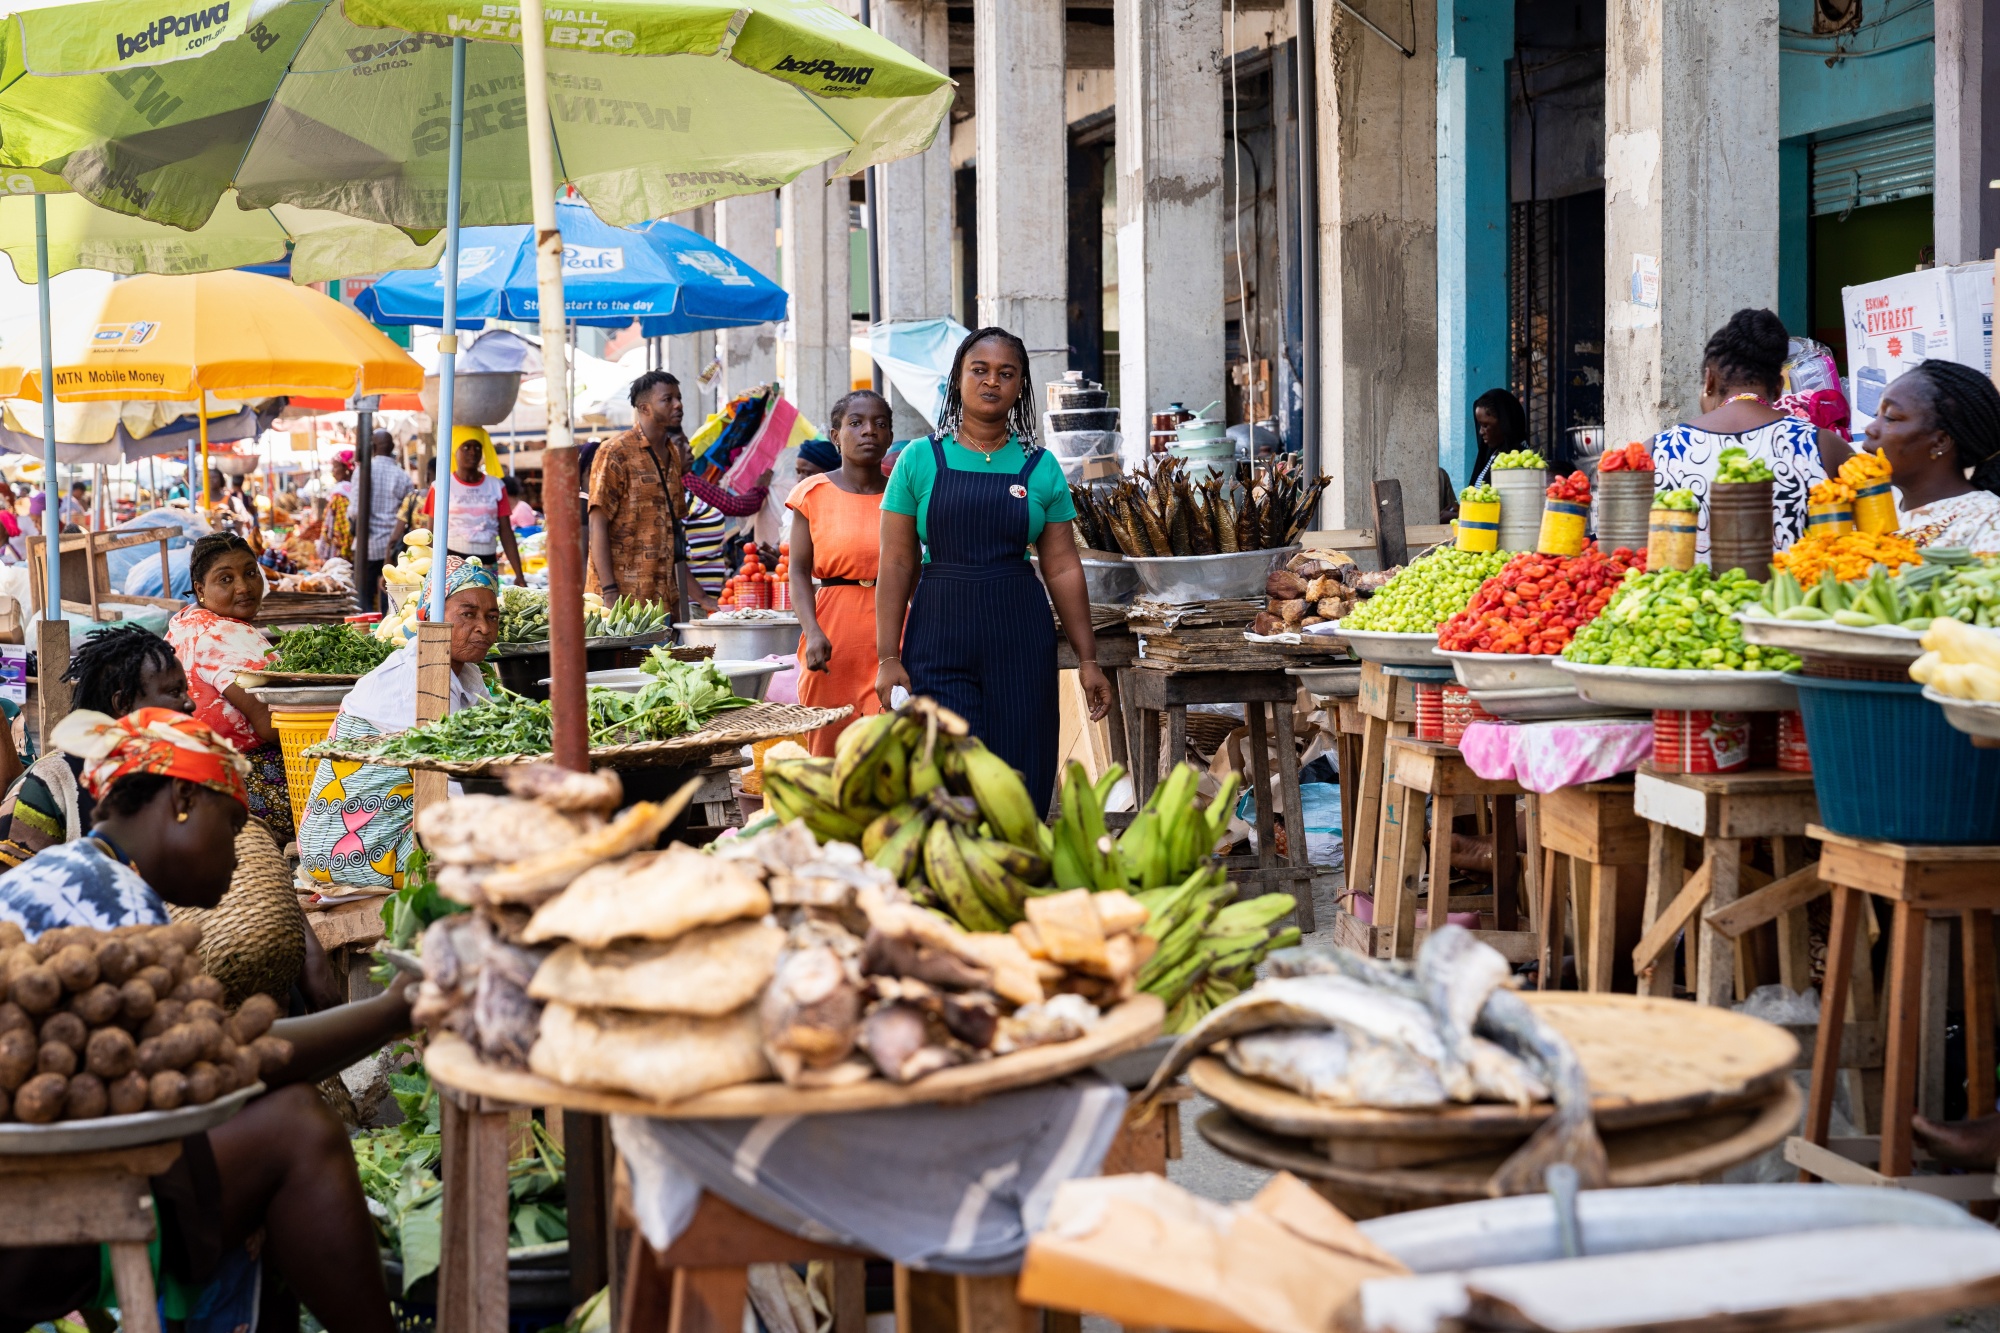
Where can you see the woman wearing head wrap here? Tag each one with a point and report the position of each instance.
(339, 540)
(276, 1184)
(1935, 424)
(357, 828)
(819, 456)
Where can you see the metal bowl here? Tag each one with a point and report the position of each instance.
(1970, 716)
(1506, 671)
(741, 640)
(1823, 638)
(1387, 649)
(1328, 682)
(1108, 579)
(123, 1131)
(1542, 704)
(481, 398)
(1649, 688)
(1207, 578)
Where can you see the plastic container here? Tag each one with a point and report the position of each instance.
(1430, 711)
(297, 730)
(1886, 764)
(1563, 528)
(1523, 491)
(1875, 509)
(1671, 537)
(1461, 710)
(1794, 755)
(1739, 528)
(1700, 742)
(1479, 526)
(1624, 500)
(1835, 519)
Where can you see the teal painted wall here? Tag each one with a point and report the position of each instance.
(1475, 41)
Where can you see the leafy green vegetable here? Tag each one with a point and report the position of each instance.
(1682, 499)
(330, 650)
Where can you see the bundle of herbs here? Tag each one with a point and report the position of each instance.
(1159, 510)
(329, 650)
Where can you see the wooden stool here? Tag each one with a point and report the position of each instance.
(92, 1198)
(1437, 770)
(1592, 825)
(1267, 698)
(1920, 881)
(1387, 708)
(1723, 810)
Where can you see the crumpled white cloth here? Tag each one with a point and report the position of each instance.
(1548, 756)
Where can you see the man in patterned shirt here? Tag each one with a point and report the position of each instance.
(637, 499)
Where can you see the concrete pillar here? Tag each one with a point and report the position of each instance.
(747, 227)
(1475, 41)
(1378, 261)
(913, 198)
(1692, 207)
(1023, 179)
(815, 273)
(1966, 221)
(688, 354)
(1168, 79)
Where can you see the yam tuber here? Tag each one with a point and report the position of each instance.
(86, 1098)
(13, 1016)
(75, 965)
(167, 1090)
(203, 1084)
(56, 1058)
(18, 1050)
(66, 1028)
(97, 1006)
(114, 961)
(111, 1053)
(36, 989)
(252, 1019)
(128, 1095)
(40, 1100)
(136, 1001)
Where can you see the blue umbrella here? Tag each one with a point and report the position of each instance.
(670, 279)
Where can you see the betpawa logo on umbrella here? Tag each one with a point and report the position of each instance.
(200, 25)
(123, 337)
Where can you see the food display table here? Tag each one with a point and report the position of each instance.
(1924, 883)
(1152, 692)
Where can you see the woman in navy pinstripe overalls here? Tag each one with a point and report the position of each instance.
(979, 638)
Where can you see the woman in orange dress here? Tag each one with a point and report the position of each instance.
(835, 541)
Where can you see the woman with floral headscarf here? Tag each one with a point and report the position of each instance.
(357, 829)
(275, 1184)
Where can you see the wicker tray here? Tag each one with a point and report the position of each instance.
(1127, 1027)
(743, 726)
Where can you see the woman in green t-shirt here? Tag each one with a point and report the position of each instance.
(963, 507)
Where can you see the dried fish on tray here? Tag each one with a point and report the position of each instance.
(1160, 511)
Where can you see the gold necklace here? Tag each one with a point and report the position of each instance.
(989, 452)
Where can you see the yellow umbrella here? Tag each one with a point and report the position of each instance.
(233, 334)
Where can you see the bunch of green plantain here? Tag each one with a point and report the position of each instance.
(1209, 947)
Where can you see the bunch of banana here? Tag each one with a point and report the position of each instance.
(1209, 946)
(1166, 841)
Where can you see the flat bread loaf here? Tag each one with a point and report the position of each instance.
(651, 896)
(709, 971)
(661, 1057)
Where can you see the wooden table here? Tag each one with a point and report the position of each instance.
(1590, 825)
(92, 1198)
(1153, 692)
(1922, 882)
(1724, 810)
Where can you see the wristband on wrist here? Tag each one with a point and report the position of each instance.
(892, 657)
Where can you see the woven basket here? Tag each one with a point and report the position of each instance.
(253, 941)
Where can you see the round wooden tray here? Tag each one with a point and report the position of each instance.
(106, 1132)
(1649, 1060)
(1688, 1150)
(453, 1062)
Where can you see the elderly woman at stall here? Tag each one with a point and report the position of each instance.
(216, 641)
(276, 1183)
(357, 828)
(1937, 424)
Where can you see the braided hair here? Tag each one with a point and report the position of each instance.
(1020, 417)
(212, 548)
(1750, 349)
(1965, 406)
(109, 668)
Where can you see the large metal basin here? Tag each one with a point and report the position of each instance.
(742, 640)
(1108, 579)
(482, 398)
(1206, 578)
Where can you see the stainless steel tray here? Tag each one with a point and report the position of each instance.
(1970, 716)
(122, 1131)
(1823, 638)
(1392, 649)
(1207, 578)
(1328, 682)
(1506, 671)
(1543, 704)
(1650, 688)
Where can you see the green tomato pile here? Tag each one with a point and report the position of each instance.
(1680, 499)
(1677, 620)
(1479, 495)
(1523, 458)
(1427, 593)
(1735, 465)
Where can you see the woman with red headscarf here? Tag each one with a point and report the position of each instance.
(170, 800)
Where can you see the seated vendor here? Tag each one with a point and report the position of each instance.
(170, 799)
(216, 640)
(357, 827)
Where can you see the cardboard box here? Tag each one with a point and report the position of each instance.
(1896, 323)
(14, 673)
(1148, 1254)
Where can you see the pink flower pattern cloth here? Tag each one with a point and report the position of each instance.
(1548, 756)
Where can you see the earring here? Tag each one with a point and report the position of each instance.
(181, 818)
(1936, 452)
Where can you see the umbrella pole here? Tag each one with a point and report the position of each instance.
(560, 483)
(448, 337)
(201, 434)
(52, 639)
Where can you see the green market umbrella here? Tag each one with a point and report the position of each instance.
(656, 106)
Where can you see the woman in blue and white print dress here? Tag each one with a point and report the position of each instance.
(1741, 374)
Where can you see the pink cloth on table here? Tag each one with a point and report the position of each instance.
(1548, 756)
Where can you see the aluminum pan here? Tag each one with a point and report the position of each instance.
(1387, 649)
(122, 1131)
(1970, 716)
(1543, 705)
(1506, 671)
(1207, 578)
(1654, 687)
(1823, 638)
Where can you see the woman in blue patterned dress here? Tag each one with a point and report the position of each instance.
(1740, 377)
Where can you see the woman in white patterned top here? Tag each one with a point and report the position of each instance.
(1741, 374)
(1937, 423)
